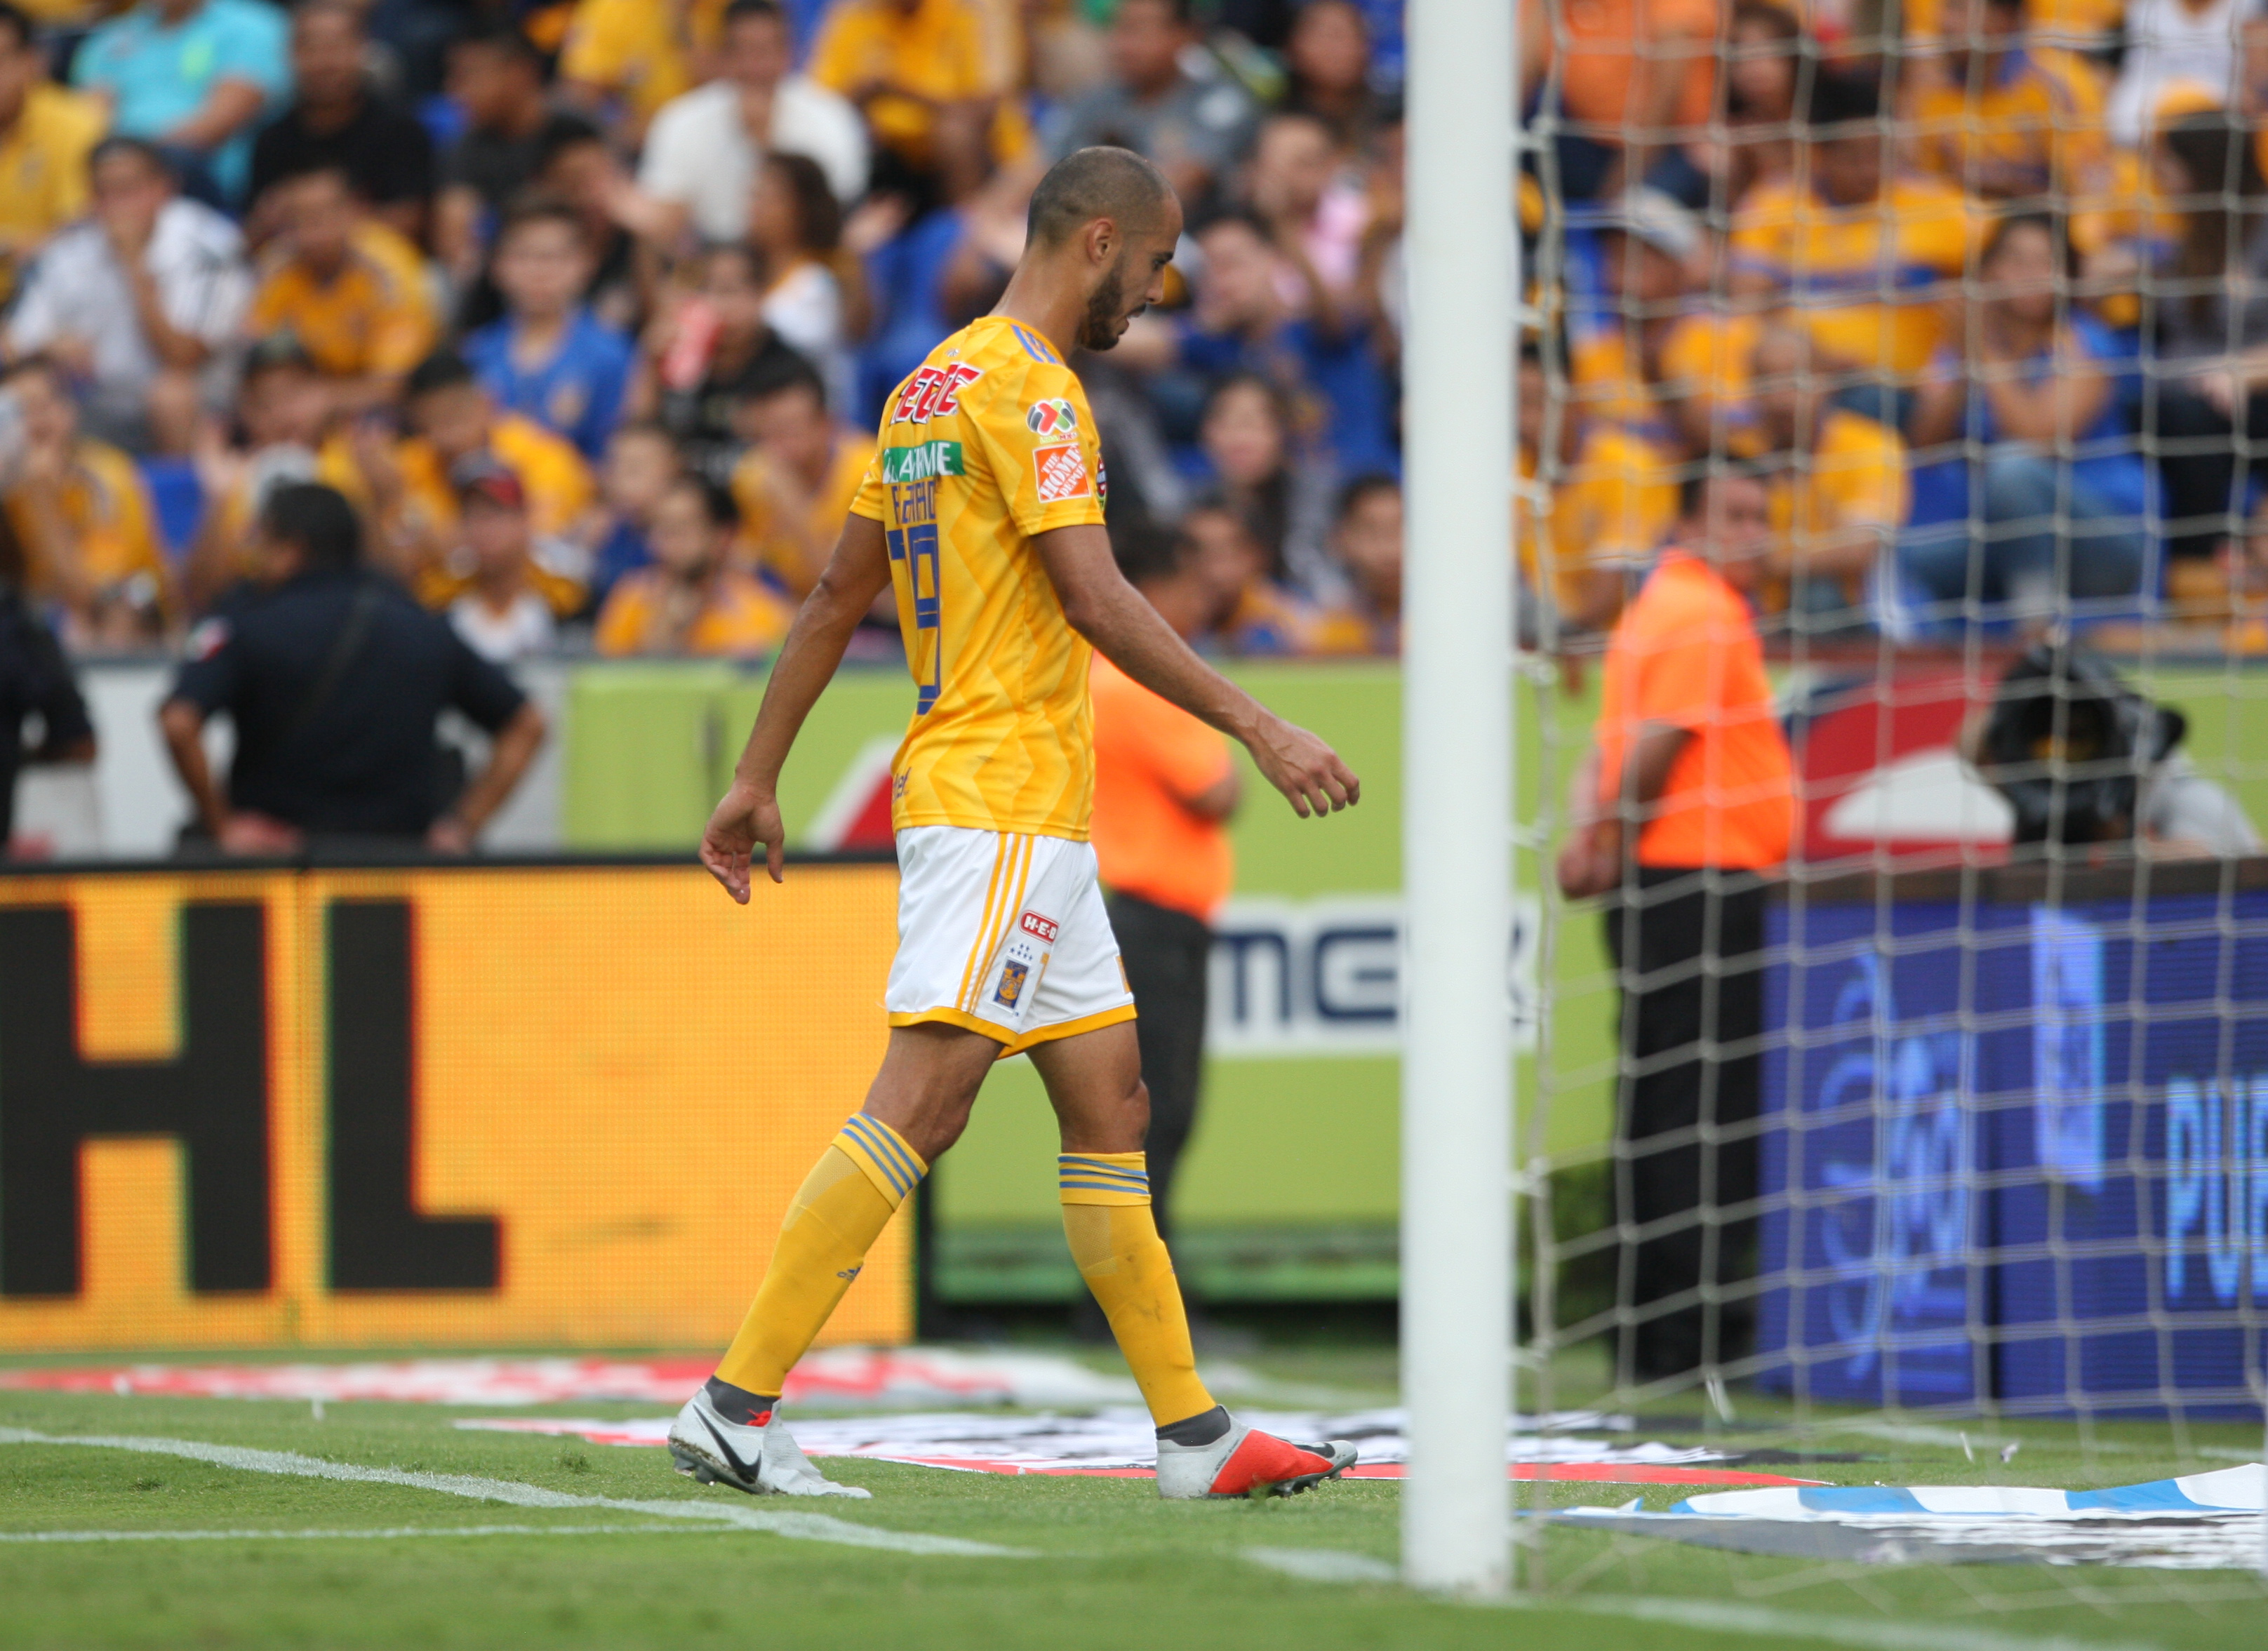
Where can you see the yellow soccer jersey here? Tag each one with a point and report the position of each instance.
(988, 444)
(1864, 280)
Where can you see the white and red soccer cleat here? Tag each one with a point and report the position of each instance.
(1245, 1461)
(756, 1455)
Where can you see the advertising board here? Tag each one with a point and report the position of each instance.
(483, 1105)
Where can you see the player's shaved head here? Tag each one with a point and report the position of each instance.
(1093, 183)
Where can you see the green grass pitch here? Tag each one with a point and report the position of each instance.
(1098, 1562)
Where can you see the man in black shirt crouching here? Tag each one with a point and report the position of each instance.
(332, 677)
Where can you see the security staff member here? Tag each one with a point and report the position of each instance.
(332, 677)
(1685, 801)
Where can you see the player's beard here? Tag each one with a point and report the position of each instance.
(1106, 310)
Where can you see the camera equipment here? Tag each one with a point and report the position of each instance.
(2067, 743)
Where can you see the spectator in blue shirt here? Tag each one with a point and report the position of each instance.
(549, 357)
(642, 466)
(1341, 400)
(196, 77)
(2060, 522)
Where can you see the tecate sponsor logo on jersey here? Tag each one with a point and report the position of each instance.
(1051, 418)
(1062, 472)
(933, 393)
(923, 462)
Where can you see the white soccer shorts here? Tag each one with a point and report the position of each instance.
(1004, 933)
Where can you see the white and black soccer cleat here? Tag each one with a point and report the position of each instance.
(758, 1455)
(1243, 1461)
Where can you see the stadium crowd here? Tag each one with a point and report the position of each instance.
(591, 307)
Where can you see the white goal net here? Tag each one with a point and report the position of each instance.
(1934, 1109)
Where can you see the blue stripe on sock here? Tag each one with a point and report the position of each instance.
(886, 1161)
(897, 1149)
(1102, 1186)
(887, 1154)
(1100, 1167)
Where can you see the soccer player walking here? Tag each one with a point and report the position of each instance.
(984, 510)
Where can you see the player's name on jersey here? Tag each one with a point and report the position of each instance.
(921, 463)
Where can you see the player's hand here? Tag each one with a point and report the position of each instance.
(1304, 770)
(745, 818)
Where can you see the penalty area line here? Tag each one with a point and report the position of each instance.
(796, 1526)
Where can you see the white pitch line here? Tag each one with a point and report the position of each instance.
(1761, 1622)
(369, 1535)
(800, 1527)
(1324, 1564)
(1330, 1565)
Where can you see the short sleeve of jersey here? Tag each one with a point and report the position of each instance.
(212, 669)
(1038, 440)
(873, 498)
(479, 688)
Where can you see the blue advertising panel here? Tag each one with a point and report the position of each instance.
(2131, 1217)
(2017, 1151)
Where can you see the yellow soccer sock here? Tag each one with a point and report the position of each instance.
(841, 1209)
(1113, 1239)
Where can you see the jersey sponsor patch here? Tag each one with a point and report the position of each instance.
(922, 461)
(933, 393)
(1061, 473)
(1051, 418)
(1033, 923)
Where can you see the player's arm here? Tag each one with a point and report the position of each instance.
(1109, 612)
(749, 812)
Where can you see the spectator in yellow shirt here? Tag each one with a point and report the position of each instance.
(502, 597)
(628, 57)
(1860, 255)
(799, 477)
(2006, 117)
(350, 290)
(693, 601)
(46, 132)
(455, 425)
(1613, 498)
(928, 79)
(82, 512)
(284, 406)
(1837, 484)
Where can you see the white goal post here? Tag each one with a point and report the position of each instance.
(1457, 1136)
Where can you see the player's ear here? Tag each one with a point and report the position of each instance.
(1101, 240)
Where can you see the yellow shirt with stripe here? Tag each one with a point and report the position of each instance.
(1864, 280)
(989, 443)
(373, 315)
(2041, 119)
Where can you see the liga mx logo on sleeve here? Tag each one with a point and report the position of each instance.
(1054, 419)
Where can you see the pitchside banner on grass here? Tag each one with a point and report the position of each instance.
(563, 1106)
(2018, 1149)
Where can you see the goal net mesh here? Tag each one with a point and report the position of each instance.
(1955, 1122)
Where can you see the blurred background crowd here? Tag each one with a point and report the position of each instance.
(590, 307)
